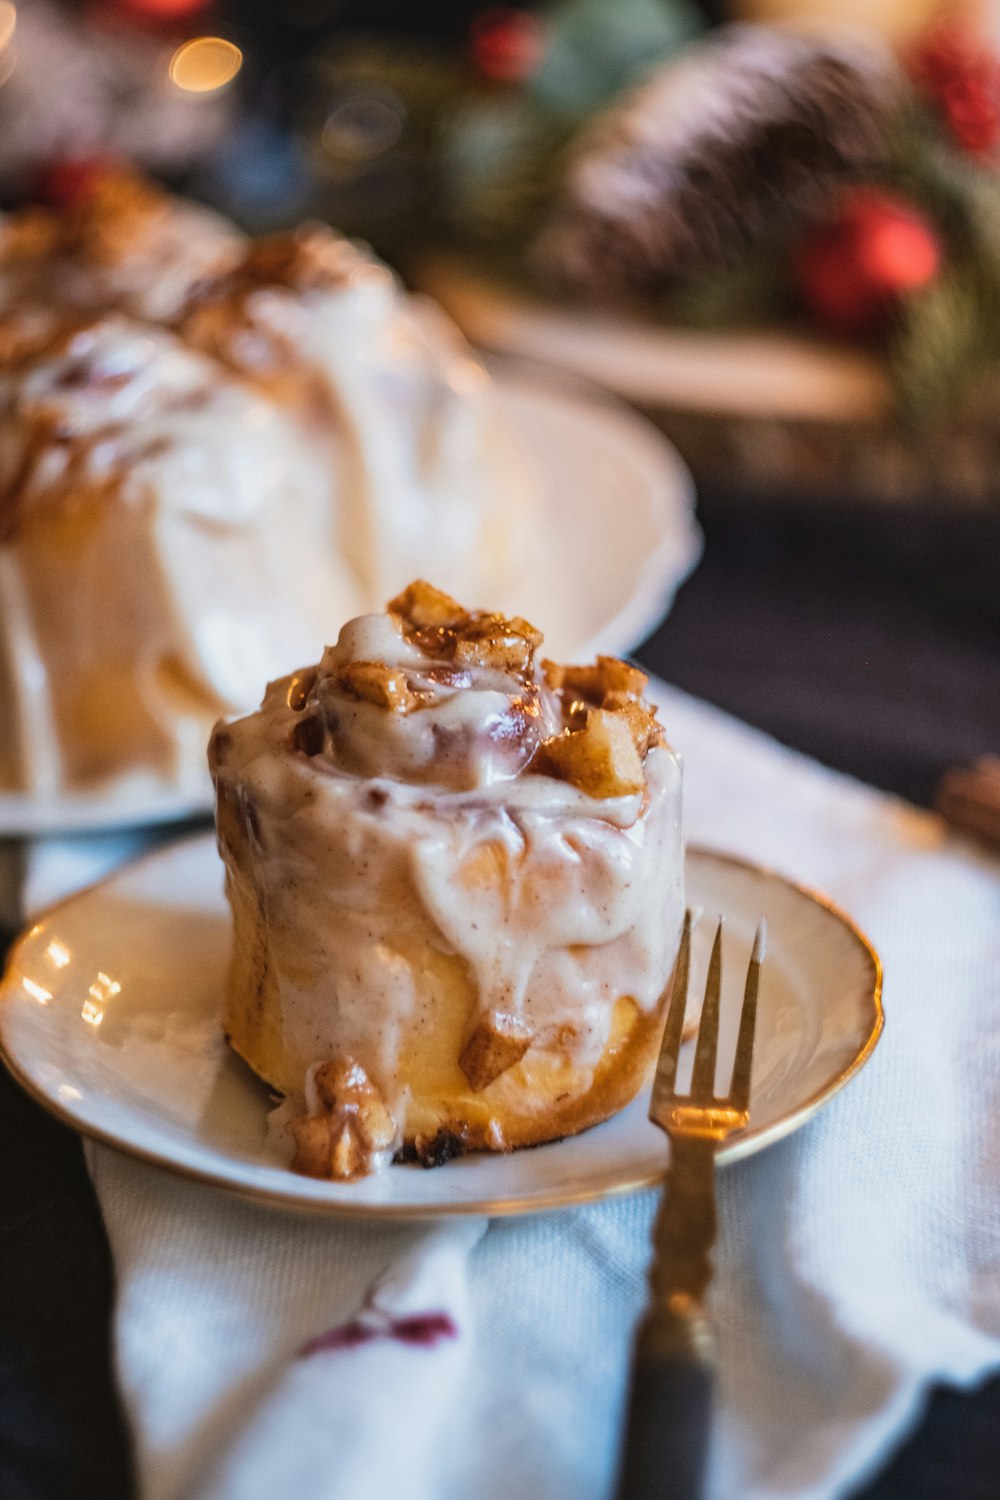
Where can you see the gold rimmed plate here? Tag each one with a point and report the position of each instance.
(109, 1017)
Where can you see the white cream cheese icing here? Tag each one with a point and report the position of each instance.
(164, 541)
(185, 513)
(380, 876)
(124, 247)
(429, 478)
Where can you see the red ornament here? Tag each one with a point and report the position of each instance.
(163, 10)
(506, 45)
(852, 271)
(155, 17)
(70, 181)
(960, 78)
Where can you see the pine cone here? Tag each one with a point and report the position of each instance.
(730, 147)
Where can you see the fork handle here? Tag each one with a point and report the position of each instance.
(670, 1404)
(669, 1419)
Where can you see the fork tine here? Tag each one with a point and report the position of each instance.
(666, 1068)
(739, 1094)
(703, 1074)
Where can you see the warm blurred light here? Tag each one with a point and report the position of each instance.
(92, 1013)
(8, 23)
(58, 953)
(104, 987)
(205, 65)
(36, 991)
(166, 10)
(8, 52)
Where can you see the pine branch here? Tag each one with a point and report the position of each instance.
(945, 336)
(751, 292)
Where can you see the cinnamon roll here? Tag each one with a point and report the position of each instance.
(163, 539)
(427, 476)
(211, 452)
(123, 245)
(456, 877)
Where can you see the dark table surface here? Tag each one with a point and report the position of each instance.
(869, 640)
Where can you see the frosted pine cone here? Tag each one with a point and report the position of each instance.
(727, 148)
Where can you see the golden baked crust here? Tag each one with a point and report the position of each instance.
(451, 1117)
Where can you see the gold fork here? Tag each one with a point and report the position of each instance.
(666, 1441)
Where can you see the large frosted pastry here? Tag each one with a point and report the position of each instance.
(122, 245)
(213, 451)
(456, 878)
(163, 543)
(427, 475)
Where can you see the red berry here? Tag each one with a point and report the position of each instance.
(69, 181)
(960, 78)
(507, 44)
(852, 271)
(973, 113)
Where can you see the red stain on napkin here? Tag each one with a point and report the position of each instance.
(420, 1330)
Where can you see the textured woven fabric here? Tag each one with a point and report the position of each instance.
(858, 1260)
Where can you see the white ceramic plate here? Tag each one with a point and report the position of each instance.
(618, 514)
(109, 1016)
(22, 816)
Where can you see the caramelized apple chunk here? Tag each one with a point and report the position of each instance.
(640, 718)
(498, 1042)
(349, 1131)
(598, 680)
(610, 685)
(422, 605)
(374, 682)
(439, 625)
(309, 258)
(497, 643)
(601, 757)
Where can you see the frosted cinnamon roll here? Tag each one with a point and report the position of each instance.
(456, 877)
(427, 475)
(163, 539)
(123, 245)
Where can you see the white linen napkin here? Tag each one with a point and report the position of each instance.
(262, 1354)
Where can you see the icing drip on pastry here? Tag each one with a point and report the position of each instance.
(125, 245)
(389, 706)
(211, 450)
(153, 513)
(448, 868)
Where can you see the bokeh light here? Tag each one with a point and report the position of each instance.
(363, 123)
(8, 23)
(8, 51)
(165, 10)
(205, 65)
